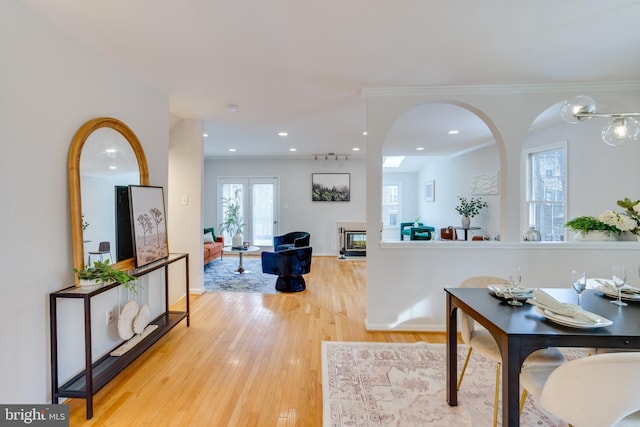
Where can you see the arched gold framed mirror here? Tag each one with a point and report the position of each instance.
(75, 180)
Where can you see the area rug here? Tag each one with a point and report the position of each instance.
(219, 276)
(394, 384)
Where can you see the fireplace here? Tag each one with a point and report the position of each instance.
(352, 239)
(355, 242)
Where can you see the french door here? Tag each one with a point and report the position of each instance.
(258, 198)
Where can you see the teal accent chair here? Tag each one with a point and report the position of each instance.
(421, 232)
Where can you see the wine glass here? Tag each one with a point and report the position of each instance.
(619, 276)
(579, 283)
(515, 277)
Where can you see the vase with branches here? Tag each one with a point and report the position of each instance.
(469, 208)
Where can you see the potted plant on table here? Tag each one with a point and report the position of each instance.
(469, 208)
(232, 223)
(102, 272)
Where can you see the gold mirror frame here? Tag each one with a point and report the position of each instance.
(75, 151)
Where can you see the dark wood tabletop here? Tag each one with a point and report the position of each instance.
(521, 330)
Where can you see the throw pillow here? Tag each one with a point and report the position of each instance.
(210, 230)
(208, 238)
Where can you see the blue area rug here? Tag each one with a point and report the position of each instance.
(219, 276)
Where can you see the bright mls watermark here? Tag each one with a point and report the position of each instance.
(34, 415)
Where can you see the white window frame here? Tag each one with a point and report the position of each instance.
(561, 145)
(399, 185)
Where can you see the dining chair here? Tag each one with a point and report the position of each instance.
(594, 391)
(481, 340)
(103, 249)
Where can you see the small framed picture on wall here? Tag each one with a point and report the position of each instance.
(430, 191)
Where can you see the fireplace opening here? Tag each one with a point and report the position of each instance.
(354, 243)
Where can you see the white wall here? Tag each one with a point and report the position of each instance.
(51, 85)
(297, 211)
(405, 279)
(186, 164)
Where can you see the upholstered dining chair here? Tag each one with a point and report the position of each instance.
(595, 391)
(482, 341)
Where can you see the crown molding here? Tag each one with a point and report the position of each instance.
(500, 89)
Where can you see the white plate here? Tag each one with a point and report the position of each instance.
(572, 321)
(499, 290)
(613, 293)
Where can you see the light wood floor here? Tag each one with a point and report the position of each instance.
(246, 360)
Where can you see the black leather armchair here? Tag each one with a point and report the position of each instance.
(289, 265)
(295, 239)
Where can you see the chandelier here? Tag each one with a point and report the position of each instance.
(622, 127)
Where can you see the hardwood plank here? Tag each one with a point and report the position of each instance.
(247, 359)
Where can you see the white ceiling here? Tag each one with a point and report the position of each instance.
(301, 66)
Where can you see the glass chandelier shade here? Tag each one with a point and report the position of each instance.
(622, 127)
(581, 104)
(620, 130)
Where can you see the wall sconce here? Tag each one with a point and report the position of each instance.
(622, 127)
(331, 156)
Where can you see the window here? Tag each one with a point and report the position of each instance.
(547, 190)
(390, 205)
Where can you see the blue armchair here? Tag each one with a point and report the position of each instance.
(295, 239)
(421, 232)
(289, 265)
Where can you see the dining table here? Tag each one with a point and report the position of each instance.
(521, 330)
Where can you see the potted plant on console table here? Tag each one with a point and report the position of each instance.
(101, 273)
(469, 208)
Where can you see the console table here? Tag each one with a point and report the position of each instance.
(466, 230)
(97, 374)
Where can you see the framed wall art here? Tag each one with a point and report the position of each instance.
(330, 187)
(430, 191)
(149, 224)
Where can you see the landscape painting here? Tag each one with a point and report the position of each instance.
(330, 187)
(149, 224)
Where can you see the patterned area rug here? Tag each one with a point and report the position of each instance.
(219, 276)
(387, 384)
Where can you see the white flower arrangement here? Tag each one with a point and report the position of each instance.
(629, 220)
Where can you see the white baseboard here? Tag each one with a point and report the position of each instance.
(412, 327)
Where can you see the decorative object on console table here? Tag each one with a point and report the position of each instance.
(469, 208)
(330, 187)
(232, 223)
(149, 224)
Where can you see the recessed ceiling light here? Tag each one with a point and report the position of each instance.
(419, 148)
(233, 150)
(292, 149)
(364, 133)
(283, 134)
(232, 108)
(110, 150)
(113, 167)
(355, 149)
(454, 131)
(205, 135)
